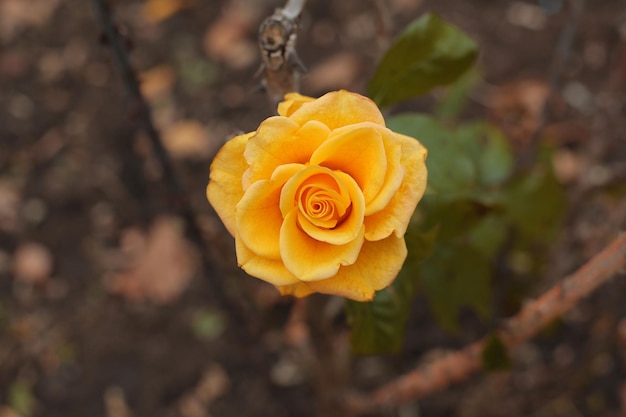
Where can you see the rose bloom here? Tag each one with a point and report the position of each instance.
(319, 197)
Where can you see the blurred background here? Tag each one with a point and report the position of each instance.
(105, 309)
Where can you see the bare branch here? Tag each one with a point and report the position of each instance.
(561, 54)
(178, 195)
(281, 66)
(293, 9)
(457, 366)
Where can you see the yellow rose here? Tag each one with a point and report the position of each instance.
(319, 198)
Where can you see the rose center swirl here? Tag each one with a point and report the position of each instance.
(327, 205)
(323, 201)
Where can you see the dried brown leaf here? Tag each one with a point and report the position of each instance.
(338, 71)
(187, 139)
(162, 264)
(157, 82)
(156, 11)
(32, 263)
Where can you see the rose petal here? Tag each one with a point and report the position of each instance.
(301, 289)
(396, 216)
(268, 270)
(394, 175)
(377, 266)
(279, 141)
(309, 259)
(339, 108)
(332, 183)
(258, 214)
(359, 151)
(225, 190)
(293, 101)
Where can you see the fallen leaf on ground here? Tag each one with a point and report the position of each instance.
(16, 15)
(8, 412)
(162, 264)
(32, 263)
(9, 205)
(187, 139)
(213, 384)
(517, 108)
(340, 70)
(227, 38)
(115, 403)
(157, 82)
(156, 11)
(567, 166)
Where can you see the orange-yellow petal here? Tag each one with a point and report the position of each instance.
(301, 289)
(309, 259)
(396, 216)
(336, 193)
(376, 268)
(356, 150)
(225, 190)
(258, 213)
(280, 141)
(268, 270)
(293, 101)
(393, 176)
(339, 108)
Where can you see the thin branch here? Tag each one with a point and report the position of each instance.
(178, 195)
(562, 53)
(457, 366)
(293, 9)
(281, 66)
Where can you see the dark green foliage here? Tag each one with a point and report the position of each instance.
(378, 326)
(474, 203)
(495, 356)
(476, 206)
(428, 54)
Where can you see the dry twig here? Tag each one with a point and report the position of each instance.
(459, 365)
(281, 66)
(178, 194)
(561, 55)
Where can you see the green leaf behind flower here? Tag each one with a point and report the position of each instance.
(428, 54)
(476, 202)
(378, 326)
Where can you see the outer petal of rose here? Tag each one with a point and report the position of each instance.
(279, 141)
(394, 175)
(299, 290)
(357, 150)
(376, 268)
(339, 108)
(309, 259)
(396, 216)
(258, 213)
(293, 101)
(225, 190)
(268, 270)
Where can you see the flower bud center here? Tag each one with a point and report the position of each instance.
(323, 200)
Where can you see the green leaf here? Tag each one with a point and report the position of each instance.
(207, 325)
(535, 203)
(377, 327)
(20, 398)
(457, 275)
(494, 355)
(488, 234)
(455, 97)
(428, 54)
(496, 161)
(450, 169)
